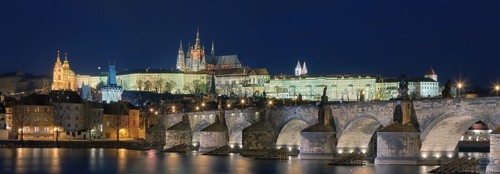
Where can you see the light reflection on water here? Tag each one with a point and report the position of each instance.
(52, 160)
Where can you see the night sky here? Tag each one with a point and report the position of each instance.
(460, 39)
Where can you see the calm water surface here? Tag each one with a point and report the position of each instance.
(51, 160)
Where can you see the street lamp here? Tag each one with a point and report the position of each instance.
(173, 109)
(203, 106)
(270, 102)
(197, 108)
(242, 103)
(497, 87)
(459, 85)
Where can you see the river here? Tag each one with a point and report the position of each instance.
(96, 160)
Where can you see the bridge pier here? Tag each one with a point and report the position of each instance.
(399, 142)
(318, 141)
(179, 133)
(215, 135)
(395, 145)
(494, 165)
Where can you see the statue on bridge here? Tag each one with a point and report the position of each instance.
(403, 88)
(324, 97)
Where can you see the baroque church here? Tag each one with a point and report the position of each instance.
(195, 59)
(64, 78)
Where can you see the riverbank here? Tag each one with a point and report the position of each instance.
(129, 144)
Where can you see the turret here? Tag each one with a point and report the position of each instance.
(304, 69)
(431, 74)
(298, 69)
(66, 62)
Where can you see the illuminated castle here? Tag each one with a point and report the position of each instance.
(64, 78)
(195, 60)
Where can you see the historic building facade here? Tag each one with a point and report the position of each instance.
(34, 117)
(418, 87)
(348, 87)
(120, 119)
(64, 78)
(16, 82)
(341, 87)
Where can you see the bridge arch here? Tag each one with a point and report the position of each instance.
(357, 134)
(235, 133)
(289, 135)
(440, 138)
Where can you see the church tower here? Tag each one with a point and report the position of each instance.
(298, 69)
(197, 54)
(180, 58)
(304, 69)
(431, 74)
(64, 78)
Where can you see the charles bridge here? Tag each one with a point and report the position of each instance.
(394, 132)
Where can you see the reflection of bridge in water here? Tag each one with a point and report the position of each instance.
(439, 125)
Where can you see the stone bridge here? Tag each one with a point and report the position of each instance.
(440, 123)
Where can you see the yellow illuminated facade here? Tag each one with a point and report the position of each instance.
(64, 78)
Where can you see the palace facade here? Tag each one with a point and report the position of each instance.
(349, 87)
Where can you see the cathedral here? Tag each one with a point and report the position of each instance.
(195, 59)
(64, 78)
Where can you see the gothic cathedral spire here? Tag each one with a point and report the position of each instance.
(212, 53)
(180, 58)
(197, 42)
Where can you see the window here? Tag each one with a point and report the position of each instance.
(37, 129)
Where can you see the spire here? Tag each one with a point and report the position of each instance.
(65, 57)
(180, 58)
(111, 75)
(197, 43)
(180, 45)
(298, 69)
(431, 72)
(304, 69)
(212, 85)
(58, 59)
(213, 49)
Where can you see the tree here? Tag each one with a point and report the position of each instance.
(169, 86)
(21, 118)
(139, 84)
(60, 112)
(447, 90)
(91, 118)
(158, 85)
(115, 120)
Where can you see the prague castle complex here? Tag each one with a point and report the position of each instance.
(195, 67)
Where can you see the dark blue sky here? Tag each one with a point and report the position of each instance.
(460, 39)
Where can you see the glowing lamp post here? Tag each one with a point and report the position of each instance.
(497, 88)
(242, 103)
(459, 85)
